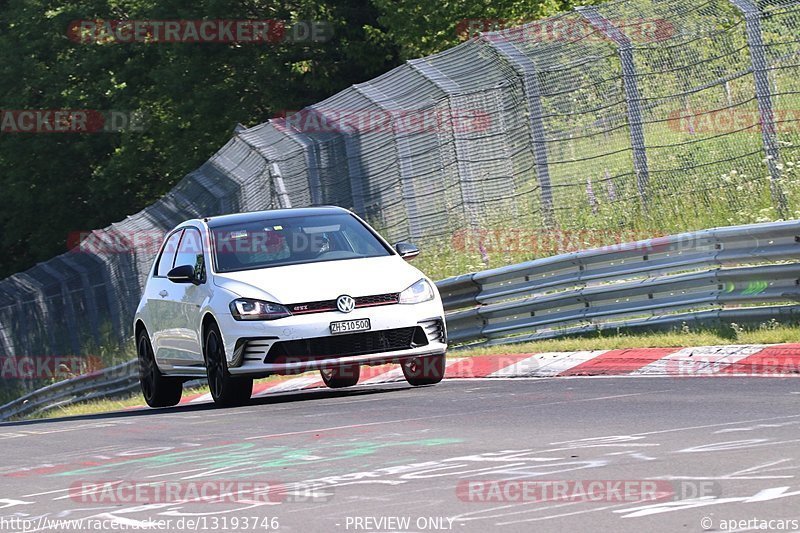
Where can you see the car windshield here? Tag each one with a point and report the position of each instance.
(293, 240)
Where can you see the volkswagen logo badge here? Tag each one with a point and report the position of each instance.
(345, 303)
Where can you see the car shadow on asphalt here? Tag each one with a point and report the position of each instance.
(271, 399)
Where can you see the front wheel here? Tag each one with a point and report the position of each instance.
(339, 377)
(157, 389)
(424, 370)
(226, 390)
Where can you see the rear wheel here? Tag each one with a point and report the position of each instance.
(226, 390)
(424, 370)
(157, 389)
(342, 376)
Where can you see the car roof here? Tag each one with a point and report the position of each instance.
(255, 216)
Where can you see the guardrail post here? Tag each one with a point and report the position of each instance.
(632, 96)
(752, 19)
(526, 68)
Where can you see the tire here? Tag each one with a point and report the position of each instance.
(340, 377)
(157, 389)
(226, 390)
(424, 370)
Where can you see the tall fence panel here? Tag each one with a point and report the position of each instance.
(658, 116)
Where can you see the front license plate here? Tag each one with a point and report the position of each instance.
(348, 326)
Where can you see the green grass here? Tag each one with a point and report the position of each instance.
(768, 334)
(698, 179)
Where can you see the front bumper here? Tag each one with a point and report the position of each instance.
(248, 343)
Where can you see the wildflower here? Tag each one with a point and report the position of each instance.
(612, 191)
(590, 194)
(484, 254)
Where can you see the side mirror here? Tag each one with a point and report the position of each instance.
(182, 274)
(406, 250)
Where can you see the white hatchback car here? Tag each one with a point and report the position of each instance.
(245, 296)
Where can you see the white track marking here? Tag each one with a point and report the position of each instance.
(702, 360)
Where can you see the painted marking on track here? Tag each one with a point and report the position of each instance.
(562, 515)
(703, 360)
(532, 365)
(292, 385)
(783, 359)
(350, 426)
(393, 375)
(482, 366)
(618, 362)
(559, 363)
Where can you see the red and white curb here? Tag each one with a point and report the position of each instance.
(776, 360)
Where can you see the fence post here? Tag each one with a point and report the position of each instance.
(33, 287)
(403, 150)
(530, 87)
(310, 153)
(755, 43)
(466, 182)
(69, 307)
(88, 292)
(354, 171)
(6, 331)
(632, 97)
(280, 188)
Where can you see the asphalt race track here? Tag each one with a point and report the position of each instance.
(458, 456)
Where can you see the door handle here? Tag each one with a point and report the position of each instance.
(163, 294)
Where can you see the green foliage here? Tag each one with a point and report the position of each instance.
(192, 94)
(424, 28)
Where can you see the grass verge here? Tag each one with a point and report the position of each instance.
(770, 334)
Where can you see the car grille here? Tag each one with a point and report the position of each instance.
(323, 306)
(387, 340)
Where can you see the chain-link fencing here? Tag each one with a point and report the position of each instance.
(654, 115)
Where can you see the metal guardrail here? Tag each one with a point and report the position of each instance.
(743, 274)
(113, 381)
(740, 273)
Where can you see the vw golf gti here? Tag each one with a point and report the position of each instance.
(237, 297)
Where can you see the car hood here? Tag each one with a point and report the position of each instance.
(327, 280)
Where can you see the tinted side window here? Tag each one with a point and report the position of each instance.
(168, 254)
(190, 252)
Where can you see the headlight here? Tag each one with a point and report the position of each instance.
(247, 309)
(419, 292)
